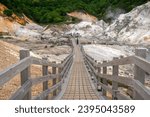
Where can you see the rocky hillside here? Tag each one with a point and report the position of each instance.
(16, 26)
(13, 17)
(131, 28)
(9, 24)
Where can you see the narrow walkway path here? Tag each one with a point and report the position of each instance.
(79, 86)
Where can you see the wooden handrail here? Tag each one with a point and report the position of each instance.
(44, 78)
(65, 68)
(138, 86)
(16, 68)
(120, 79)
(22, 67)
(142, 63)
(122, 61)
(122, 96)
(13, 70)
(22, 91)
(48, 91)
(66, 60)
(38, 61)
(142, 90)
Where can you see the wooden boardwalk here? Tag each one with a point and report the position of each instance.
(79, 86)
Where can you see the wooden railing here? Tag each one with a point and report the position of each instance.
(59, 72)
(111, 83)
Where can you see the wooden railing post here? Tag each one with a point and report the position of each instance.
(139, 74)
(25, 74)
(45, 72)
(115, 84)
(99, 88)
(96, 70)
(54, 80)
(64, 75)
(104, 80)
(92, 76)
(60, 77)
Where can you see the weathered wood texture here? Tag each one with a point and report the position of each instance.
(45, 93)
(108, 83)
(54, 70)
(59, 78)
(22, 92)
(114, 83)
(25, 74)
(13, 70)
(141, 67)
(23, 67)
(44, 78)
(139, 74)
(122, 96)
(45, 72)
(104, 80)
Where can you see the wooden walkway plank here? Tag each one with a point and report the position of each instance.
(79, 86)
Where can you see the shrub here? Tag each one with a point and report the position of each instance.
(8, 12)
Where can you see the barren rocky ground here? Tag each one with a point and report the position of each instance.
(9, 54)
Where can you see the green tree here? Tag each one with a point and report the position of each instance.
(54, 11)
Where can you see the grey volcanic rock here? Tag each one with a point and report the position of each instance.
(131, 28)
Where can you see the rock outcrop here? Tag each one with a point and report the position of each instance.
(83, 16)
(18, 27)
(130, 28)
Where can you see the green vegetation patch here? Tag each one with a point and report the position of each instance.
(54, 11)
(8, 12)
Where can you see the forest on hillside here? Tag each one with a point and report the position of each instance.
(54, 11)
